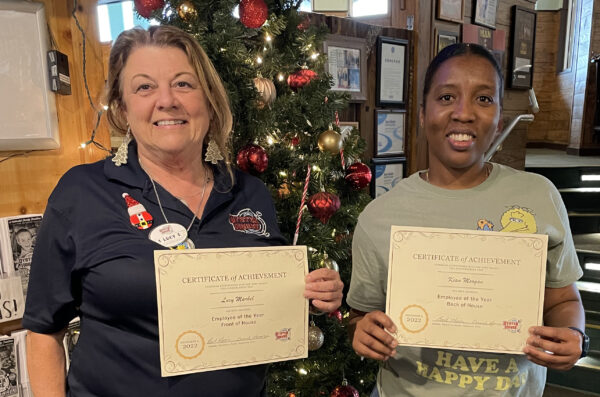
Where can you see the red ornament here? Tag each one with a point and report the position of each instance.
(336, 314)
(304, 25)
(300, 78)
(145, 7)
(252, 159)
(295, 141)
(344, 391)
(323, 205)
(253, 13)
(358, 175)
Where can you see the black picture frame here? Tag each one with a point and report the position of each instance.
(522, 48)
(347, 63)
(392, 72)
(389, 133)
(484, 13)
(387, 172)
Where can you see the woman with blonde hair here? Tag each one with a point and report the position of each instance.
(94, 253)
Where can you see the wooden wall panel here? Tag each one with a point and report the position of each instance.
(552, 123)
(364, 113)
(28, 180)
(590, 138)
(583, 29)
(515, 101)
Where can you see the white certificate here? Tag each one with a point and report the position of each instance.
(391, 86)
(465, 290)
(225, 308)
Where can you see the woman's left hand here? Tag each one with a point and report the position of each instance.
(324, 287)
(553, 347)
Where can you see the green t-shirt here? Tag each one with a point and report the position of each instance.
(508, 200)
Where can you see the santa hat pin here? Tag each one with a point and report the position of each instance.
(138, 216)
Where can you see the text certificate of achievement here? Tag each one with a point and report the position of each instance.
(230, 307)
(465, 290)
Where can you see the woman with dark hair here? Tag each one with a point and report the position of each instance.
(94, 256)
(461, 115)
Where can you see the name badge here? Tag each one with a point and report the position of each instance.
(168, 234)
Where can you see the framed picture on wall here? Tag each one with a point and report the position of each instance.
(450, 10)
(392, 72)
(390, 126)
(484, 13)
(28, 113)
(386, 174)
(346, 128)
(443, 39)
(347, 64)
(522, 48)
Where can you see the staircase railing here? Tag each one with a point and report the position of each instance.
(528, 117)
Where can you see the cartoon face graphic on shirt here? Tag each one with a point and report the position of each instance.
(516, 219)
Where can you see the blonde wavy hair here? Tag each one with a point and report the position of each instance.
(210, 81)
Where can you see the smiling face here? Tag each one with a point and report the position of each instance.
(462, 112)
(163, 102)
(25, 240)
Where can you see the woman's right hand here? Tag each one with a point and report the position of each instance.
(370, 337)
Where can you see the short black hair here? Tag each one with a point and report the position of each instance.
(461, 49)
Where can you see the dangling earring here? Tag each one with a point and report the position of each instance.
(121, 155)
(213, 153)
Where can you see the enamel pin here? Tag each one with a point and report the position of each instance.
(138, 216)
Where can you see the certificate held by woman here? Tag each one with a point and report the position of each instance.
(225, 308)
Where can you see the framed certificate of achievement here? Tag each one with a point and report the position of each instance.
(465, 290)
(389, 133)
(226, 308)
(392, 72)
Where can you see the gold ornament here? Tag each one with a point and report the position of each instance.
(315, 337)
(266, 92)
(330, 141)
(284, 190)
(186, 10)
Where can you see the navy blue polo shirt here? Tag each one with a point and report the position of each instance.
(91, 261)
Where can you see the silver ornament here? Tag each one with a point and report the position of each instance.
(330, 264)
(315, 337)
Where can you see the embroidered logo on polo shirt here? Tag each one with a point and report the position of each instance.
(248, 221)
(138, 216)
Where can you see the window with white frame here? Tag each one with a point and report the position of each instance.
(115, 16)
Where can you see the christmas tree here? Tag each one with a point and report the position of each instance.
(285, 132)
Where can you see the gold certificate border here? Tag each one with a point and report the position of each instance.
(535, 241)
(164, 259)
